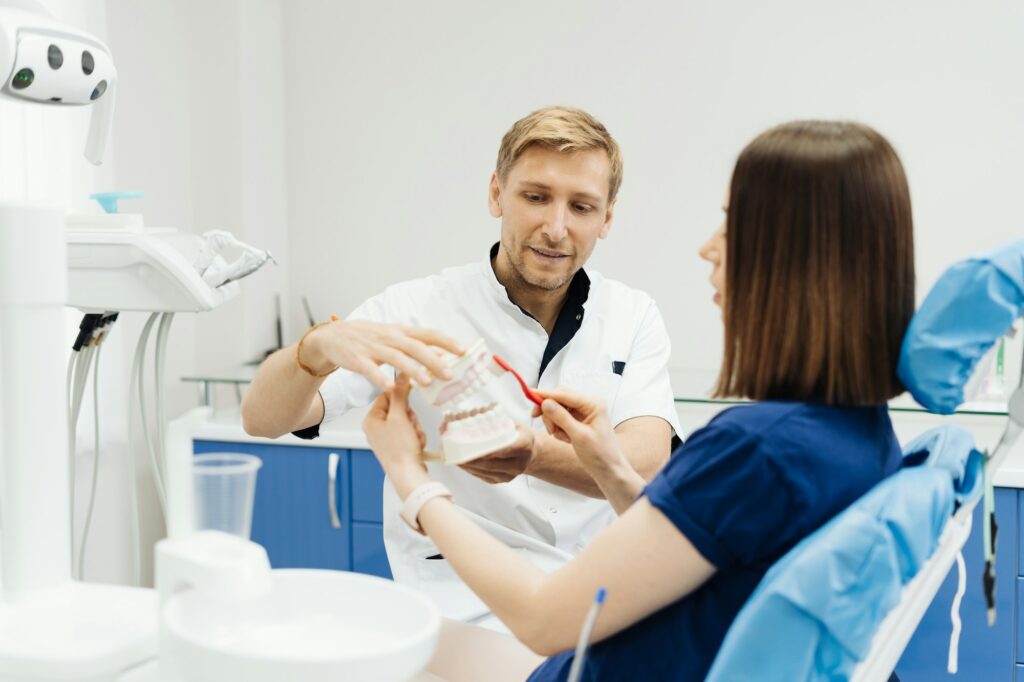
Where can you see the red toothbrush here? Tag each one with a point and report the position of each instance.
(527, 391)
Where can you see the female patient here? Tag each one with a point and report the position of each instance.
(814, 273)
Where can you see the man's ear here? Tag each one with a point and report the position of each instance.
(494, 196)
(607, 227)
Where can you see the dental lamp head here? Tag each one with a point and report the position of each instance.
(46, 61)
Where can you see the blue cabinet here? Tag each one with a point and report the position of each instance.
(986, 654)
(293, 516)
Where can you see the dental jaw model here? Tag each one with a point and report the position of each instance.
(469, 434)
(471, 428)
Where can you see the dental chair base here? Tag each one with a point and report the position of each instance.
(225, 615)
(74, 631)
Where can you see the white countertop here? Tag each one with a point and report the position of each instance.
(347, 432)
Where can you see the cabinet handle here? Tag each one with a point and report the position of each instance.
(332, 488)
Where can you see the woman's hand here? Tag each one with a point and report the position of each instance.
(396, 437)
(581, 421)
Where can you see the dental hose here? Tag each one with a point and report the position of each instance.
(84, 359)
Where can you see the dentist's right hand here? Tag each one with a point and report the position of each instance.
(361, 346)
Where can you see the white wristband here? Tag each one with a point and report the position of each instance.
(419, 497)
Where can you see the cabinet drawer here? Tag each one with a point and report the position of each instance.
(1019, 614)
(292, 513)
(1006, 543)
(367, 487)
(368, 554)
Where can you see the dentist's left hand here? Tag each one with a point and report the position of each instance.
(396, 438)
(361, 346)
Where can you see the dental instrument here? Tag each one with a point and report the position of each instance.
(579, 659)
(308, 311)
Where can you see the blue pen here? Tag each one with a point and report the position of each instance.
(579, 659)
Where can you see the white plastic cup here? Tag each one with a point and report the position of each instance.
(225, 488)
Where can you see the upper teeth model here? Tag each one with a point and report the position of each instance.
(470, 432)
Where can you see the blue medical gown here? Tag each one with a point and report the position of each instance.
(744, 490)
(816, 613)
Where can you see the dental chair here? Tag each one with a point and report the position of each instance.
(844, 603)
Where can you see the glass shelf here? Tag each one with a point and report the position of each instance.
(693, 387)
(236, 377)
(690, 387)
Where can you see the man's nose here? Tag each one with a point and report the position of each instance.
(556, 223)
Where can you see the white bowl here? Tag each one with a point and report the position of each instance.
(314, 625)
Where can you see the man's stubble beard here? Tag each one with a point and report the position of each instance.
(522, 282)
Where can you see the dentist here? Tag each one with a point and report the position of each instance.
(554, 188)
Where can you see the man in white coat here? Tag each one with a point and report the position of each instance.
(554, 189)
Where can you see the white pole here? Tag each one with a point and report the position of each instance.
(34, 478)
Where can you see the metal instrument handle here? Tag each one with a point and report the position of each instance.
(332, 495)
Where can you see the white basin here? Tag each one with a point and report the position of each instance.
(313, 625)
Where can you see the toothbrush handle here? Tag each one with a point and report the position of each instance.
(527, 391)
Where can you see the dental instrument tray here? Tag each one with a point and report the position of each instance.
(115, 263)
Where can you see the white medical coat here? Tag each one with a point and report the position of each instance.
(546, 523)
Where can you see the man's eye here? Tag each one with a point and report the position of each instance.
(535, 198)
(583, 208)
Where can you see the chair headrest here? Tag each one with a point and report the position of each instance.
(973, 304)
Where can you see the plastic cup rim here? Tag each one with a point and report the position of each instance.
(235, 463)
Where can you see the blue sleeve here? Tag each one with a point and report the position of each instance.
(726, 495)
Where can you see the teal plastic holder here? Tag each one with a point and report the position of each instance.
(108, 200)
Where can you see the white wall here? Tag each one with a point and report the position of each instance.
(395, 111)
(200, 129)
(355, 140)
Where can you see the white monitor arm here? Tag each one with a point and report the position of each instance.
(46, 61)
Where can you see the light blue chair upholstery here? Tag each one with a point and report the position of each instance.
(973, 304)
(844, 602)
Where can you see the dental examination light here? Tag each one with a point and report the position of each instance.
(46, 61)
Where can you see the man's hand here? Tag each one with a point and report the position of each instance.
(361, 346)
(504, 465)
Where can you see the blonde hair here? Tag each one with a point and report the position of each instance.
(563, 129)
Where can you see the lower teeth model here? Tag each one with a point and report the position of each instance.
(467, 434)
(470, 434)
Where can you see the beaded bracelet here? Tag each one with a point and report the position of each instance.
(298, 351)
